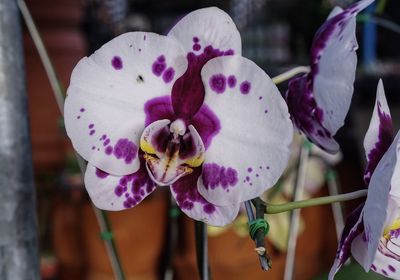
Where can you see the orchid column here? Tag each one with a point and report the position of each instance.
(18, 229)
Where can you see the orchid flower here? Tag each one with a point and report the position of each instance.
(319, 100)
(184, 110)
(372, 232)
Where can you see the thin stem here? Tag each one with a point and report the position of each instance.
(58, 91)
(295, 215)
(290, 74)
(265, 260)
(202, 250)
(279, 208)
(337, 211)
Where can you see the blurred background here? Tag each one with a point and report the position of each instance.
(276, 34)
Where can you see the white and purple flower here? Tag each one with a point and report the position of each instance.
(372, 232)
(184, 110)
(319, 101)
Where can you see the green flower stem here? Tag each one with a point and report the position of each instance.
(101, 216)
(290, 74)
(279, 208)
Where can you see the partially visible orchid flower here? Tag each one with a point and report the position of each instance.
(319, 101)
(372, 232)
(184, 110)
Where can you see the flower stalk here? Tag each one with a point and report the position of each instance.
(279, 208)
(200, 229)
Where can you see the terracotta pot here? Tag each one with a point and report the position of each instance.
(139, 236)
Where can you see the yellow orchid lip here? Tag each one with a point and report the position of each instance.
(393, 227)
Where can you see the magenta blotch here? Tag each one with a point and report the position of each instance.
(125, 149)
(196, 39)
(82, 110)
(116, 62)
(245, 87)
(214, 176)
(231, 81)
(218, 83)
(92, 132)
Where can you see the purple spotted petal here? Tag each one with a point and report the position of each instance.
(104, 114)
(353, 228)
(204, 34)
(383, 179)
(114, 193)
(251, 150)
(306, 115)
(333, 65)
(319, 101)
(195, 206)
(380, 133)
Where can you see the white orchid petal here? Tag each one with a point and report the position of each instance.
(375, 209)
(380, 132)
(251, 149)
(207, 27)
(110, 192)
(333, 67)
(108, 92)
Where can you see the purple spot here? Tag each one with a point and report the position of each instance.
(231, 81)
(384, 272)
(196, 39)
(116, 62)
(93, 147)
(144, 37)
(161, 58)
(229, 52)
(247, 178)
(78, 117)
(266, 111)
(245, 87)
(267, 167)
(168, 75)
(108, 150)
(196, 47)
(373, 267)
(209, 208)
(101, 174)
(249, 169)
(140, 50)
(118, 191)
(92, 132)
(391, 268)
(218, 83)
(82, 110)
(106, 142)
(103, 137)
(159, 66)
(257, 175)
(125, 149)
(91, 126)
(214, 176)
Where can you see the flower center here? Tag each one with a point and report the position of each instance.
(171, 150)
(389, 244)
